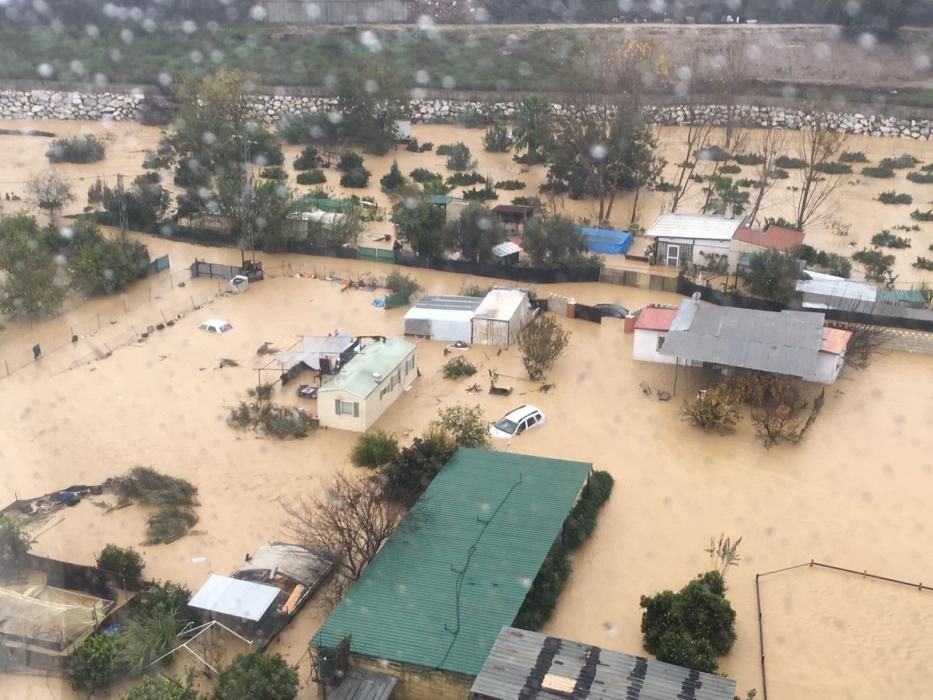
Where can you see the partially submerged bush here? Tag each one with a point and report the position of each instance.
(831, 168)
(483, 194)
(853, 157)
(459, 157)
(920, 177)
(918, 215)
(174, 497)
(497, 139)
(886, 239)
(458, 367)
(541, 342)
(713, 410)
(892, 197)
(125, 561)
(77, 149)
(422, 175)
(749, 159)
(311, 177)
(93, 664)
(902, 162)
(545, 590)
(14, 543)
(274, 172)
(257, 676)
(714, 153)
(400, 283)
(471, 289)
(308, 159)
(877, 264)
(581, 522)
(465, 179)
(393, 180)
(879, 171)
(923, 263)
(283, 421)
(788, 163)
(170, 523)
(358, 178)
(510, 185)
(374, 449)
(467, 425)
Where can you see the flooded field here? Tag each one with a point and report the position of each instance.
(856, 493)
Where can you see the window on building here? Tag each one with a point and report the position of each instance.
(348, 408)
(660, 343)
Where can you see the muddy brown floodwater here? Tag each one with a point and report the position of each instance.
(855, 493)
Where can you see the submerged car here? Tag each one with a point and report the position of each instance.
(215, 325)
(516, 422)
(612, 310)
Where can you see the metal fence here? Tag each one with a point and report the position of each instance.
(638, 278)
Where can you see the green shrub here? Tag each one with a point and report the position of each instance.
(163, 597)
(712, 153)
(426, 147)
(902, 162)
(400, 283)
(545, 590)
(157, 688)
(523, 201)
(283, 422)
(892, 197)
(730, 170)
(412, 146)
(780, 221)
(472, 119)
(173, 496)
(458, 367)
(349, 160)
(921, 177)
(308, 159)
(99, 265)
(540, 343)
(93, 664)
(374, 449)
(833, 168)
(76, 149)
(459, 157)
(392, 180)
(923, 263)
(483, 194)
(788, 163)
(581, 522)
(779, 174)
(833, 263)
(125, 561)
(713, 411)
(358, 177)
(311, 177)
(241, 416)
(886, 239)
(14, 543)
(749, 159)
(497, 139)
(880, 171)
(170, 523)
(422, 175)
(747, 182)
(145, 637)
(407, 476)
(918, 215)
(510, 185)
(465, 179)
(467, 425)
(853, 157)
(257, 676)
(877, 264)
(274, 172)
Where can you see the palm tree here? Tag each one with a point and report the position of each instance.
(532, 127)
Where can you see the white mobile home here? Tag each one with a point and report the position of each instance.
(447, 318)
(689, 239)
(367, 385)
(500, 317)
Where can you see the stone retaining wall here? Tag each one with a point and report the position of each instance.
(123, 106)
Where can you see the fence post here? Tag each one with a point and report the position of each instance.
(98, 321)
(124, 305)
(150, 292)
(7, 365)
(171, 282)
(193, 306)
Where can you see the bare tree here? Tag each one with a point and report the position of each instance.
(817, 147)
(698, 132)
(769, 144)
(351, 521)
(50, 192)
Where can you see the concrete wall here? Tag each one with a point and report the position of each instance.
(645, 347)
(416, 683)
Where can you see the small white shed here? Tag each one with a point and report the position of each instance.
(448, 318)
(693, 239)
(500, 317)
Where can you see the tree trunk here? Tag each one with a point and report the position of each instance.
(635, 204)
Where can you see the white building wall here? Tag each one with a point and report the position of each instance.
(828, 367)
(452, 331)
(327, 411)
(646, 347)
(709, 247)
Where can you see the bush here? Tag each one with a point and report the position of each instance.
(467, 425)
(14, 543)
(920, 177)
(692, 627)
(545, 590)
(93, 664)
(779, 174)
(483, 194)
(165, 597)
(174, 498)
(257, 676)
(918, 215)
(283, 422)
(415, 466)
(497, 139)
(541, 342)
(125, 561)
(358, 177)
(472, 119)
(392, 180)
(426, 147)
(877, 264)
(146, 637)
(241, 416)
(308, 159)
(833, 168)
(582, 519)
(730, 170)
(374, 449)
(274, 172)
(880, 171)
(892, 197)
(524, 201)
(772, 275)
(306, 127)
(156, 688)
(713, 410)
(76, 149)
(459, 157)
(170, 523)
(853, 157)
(422, 175)
(780, 221)
(458, 367)
(749, 159)
(788, 163)
(886, 239)
(349, 160)
(102, 266)
(311, 177)
(902, 162)
(400, 283)
(510, 185)
(747, 182)
(465, 179)
(923, 263)
(712, 153)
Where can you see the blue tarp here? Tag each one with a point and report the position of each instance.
(600, 240)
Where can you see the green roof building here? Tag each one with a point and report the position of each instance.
(456, 570)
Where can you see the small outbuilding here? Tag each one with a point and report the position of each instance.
(501, 316)
(606, 241)
(513, 217)
(651, 328)
(507, 253)
(692, 239)
(367, 385)
(447, 318)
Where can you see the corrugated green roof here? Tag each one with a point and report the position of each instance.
(894, 295)
(358, 375)
(444, 199)
(492, 516)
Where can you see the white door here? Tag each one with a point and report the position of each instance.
(673, 254)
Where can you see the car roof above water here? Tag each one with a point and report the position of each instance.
(523, 411)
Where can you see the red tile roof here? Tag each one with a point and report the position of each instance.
(835, 340)
(654, 319)
(774, 237)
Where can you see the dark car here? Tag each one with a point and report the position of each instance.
(612, 310)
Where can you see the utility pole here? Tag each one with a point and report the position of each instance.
(123, 222)
(247, 206)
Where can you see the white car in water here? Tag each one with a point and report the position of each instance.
(516, 422)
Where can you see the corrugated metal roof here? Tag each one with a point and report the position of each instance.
(442, 199)
(310, 349)
(786, 342)
(361, 375)
(507, 248)
(230, 596)
(300, 563)
(892, 296)
(501, 304)
(459, 567)
(363, 685)
(531, 666)
(693, 226)
(838, 288)
(450, 303)
(655, 319)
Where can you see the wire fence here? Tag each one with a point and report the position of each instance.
(103, 330)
